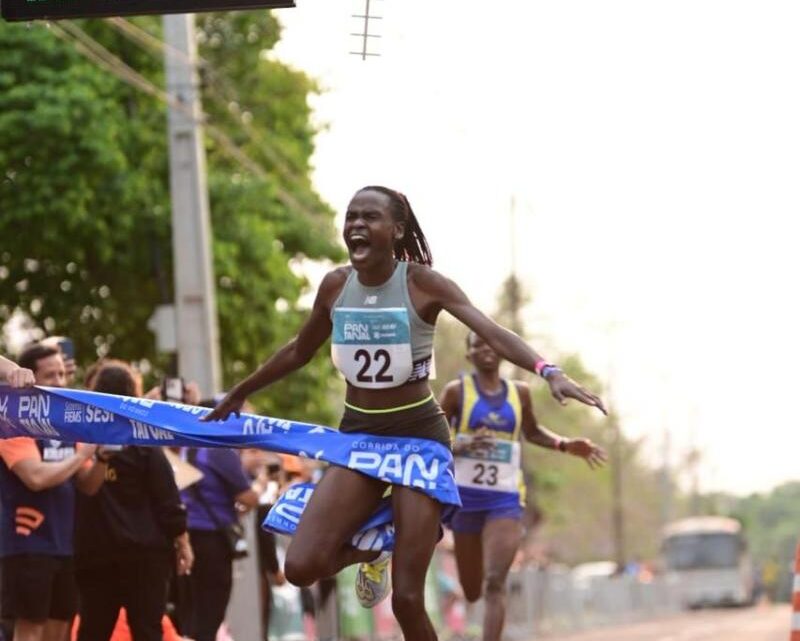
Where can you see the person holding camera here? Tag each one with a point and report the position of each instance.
(130, 535)
(213, 506)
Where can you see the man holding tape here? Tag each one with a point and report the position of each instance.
(37, 514)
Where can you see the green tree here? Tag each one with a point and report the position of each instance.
(771, 524)
(84, 201)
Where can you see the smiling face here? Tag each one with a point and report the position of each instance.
(370, 229)
(482, 357)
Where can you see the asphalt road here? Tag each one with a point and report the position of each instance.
(761, 623)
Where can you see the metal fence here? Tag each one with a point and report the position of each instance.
(540, 603)
(549, 602)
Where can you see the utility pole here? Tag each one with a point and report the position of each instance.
(665, 480)
(195, 299)
(617, 507)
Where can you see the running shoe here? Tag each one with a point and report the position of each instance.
(372, 581)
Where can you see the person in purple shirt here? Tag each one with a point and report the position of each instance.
(212, 504)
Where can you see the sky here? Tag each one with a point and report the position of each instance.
(651, 151)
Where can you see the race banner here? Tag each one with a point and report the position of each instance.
(376, 534)
(91, 417)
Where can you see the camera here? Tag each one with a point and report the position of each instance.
(173, 389)
(67, 348)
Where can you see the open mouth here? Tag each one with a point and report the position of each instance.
(358, 245)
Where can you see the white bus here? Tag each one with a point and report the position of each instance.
(709, 556)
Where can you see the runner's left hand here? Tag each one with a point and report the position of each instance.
(594, 455)
(563, 387)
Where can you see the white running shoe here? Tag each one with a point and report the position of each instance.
(372, 581)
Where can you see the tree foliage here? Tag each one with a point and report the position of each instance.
(85, 236)
(771, 522)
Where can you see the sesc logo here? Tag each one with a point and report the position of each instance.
(292, 504)
(410, 470)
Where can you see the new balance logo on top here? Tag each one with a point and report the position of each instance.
(371, 300)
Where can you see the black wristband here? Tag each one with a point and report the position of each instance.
(562, 445)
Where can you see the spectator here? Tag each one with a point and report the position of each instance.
(212, 509)
(67, 349)
(37, 517)
(129, 534)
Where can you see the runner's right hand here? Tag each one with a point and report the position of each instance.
(231, 404)
(482, 441)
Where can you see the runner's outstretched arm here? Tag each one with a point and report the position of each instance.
(292, 356)
(505, 342)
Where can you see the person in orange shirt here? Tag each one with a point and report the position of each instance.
(37, 482)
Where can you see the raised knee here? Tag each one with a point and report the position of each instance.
(303, 571)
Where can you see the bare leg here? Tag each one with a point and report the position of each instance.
(56, 630)
(28, 630)
(342, 501)
(416, 519)
(501, 539)
(469, 561)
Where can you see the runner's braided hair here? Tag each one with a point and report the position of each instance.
(413, 246)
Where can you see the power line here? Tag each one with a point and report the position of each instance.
(97, 53)
(282, 163)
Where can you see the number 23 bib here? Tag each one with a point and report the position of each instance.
(496, 470)
(372, 347)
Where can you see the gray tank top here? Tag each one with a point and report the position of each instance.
(378, 340)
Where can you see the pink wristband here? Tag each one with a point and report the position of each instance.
(540, 365)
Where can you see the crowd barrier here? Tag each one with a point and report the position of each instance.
(540, 603)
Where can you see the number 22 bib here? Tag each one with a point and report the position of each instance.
(496, 470)
(372, 347)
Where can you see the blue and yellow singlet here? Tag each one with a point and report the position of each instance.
(493, 479)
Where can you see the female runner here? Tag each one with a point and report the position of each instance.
(488, 414)
(389, 282)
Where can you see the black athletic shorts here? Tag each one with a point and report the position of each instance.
(37, 587)
(426, 420)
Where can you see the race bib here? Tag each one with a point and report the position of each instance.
(372, 347)
(496, 469)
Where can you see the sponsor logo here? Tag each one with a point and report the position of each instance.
(34, 416)
(36, 407)
(145, 432)
(189, 409)
(54, 451)
(139, 406)
(3, 406)
(293, 503)
(410, 470)
(97, 415)
(356, 331)
(422, 370)
(371, 300)
(73, 413)
(264, 425)
(27, 520)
